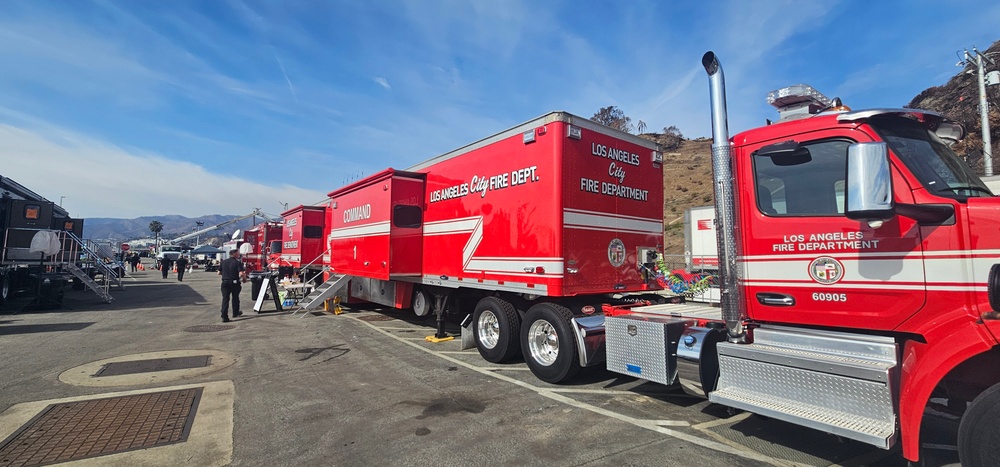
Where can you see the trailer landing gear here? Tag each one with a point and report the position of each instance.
(440, 301)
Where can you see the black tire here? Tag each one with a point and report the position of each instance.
(495, 324)
(549, 343)
(4, 288)
(978, 438)
(422, 303)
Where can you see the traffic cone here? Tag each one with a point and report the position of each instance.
(141, 267)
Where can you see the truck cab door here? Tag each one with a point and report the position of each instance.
(804, 261)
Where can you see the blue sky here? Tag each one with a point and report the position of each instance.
(139, 108)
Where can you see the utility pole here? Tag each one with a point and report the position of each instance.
(197, 240)
(978, 59)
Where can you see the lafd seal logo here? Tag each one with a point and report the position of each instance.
(826, 270)
(616, 253)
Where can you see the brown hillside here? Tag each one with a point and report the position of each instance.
(687, 182)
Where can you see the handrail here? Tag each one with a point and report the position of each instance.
(303, 268)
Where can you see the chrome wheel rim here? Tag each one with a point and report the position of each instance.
(489, 329)
(543, 342)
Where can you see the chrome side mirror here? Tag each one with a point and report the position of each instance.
(869, 182)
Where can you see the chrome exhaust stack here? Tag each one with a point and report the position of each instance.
(726, 214)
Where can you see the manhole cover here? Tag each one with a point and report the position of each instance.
(156, 364)
(376, 318)
(79, 430)
(210, 328)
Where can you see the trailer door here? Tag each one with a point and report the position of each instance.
(407, 227)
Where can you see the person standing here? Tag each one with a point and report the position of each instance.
(165, 266)
(182, 264)
(233, 273)
(134, 261)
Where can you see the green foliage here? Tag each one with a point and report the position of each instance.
(615, 118)
(156, 227)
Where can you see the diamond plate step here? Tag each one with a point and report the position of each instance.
(834, 382)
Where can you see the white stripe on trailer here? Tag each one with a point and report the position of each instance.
(368, 230)
(517, 266)
(487, 284)
(590, 220)
(452, 226)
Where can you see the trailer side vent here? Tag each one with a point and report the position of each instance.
(528, 136)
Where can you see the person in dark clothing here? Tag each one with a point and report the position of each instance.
(233, 274)
(133, 260)
(182, 264)
(165, 266)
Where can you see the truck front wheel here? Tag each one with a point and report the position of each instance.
(549, 344)
(978, 437)
(496, 324)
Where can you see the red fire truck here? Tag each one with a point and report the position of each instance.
(859, 262)
(263, 238)
(303, 248)
(859, 265)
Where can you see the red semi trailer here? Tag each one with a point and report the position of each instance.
(547, 217)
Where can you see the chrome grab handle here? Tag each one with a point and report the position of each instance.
(775, 299)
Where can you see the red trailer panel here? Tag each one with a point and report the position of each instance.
(304, 237)
(375, 226)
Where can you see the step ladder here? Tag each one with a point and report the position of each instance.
(322, 292)
(89, 282)
(835, 382)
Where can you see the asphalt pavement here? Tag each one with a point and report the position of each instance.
(364, 388)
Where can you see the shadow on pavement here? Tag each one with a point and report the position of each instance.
(36, 328)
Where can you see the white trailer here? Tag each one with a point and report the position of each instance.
(701, 252)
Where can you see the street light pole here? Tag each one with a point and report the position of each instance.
(984, 109)
(61, 198)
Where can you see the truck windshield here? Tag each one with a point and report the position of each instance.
(937, 167)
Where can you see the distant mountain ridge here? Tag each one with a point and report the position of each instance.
(173, 226)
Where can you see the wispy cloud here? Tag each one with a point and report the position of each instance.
(382, 82)
(105, 180)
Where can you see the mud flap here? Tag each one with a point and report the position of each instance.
(468, 336)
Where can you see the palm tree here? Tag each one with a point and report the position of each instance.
(156, 227)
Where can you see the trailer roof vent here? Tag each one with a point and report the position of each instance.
(798, 101)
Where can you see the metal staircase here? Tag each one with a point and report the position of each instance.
(101, 290)
(322, 292)
(109, 277)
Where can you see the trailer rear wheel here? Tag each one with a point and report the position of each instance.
(978, 438)
(495, 325)
(548, 342)
(421, 303)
